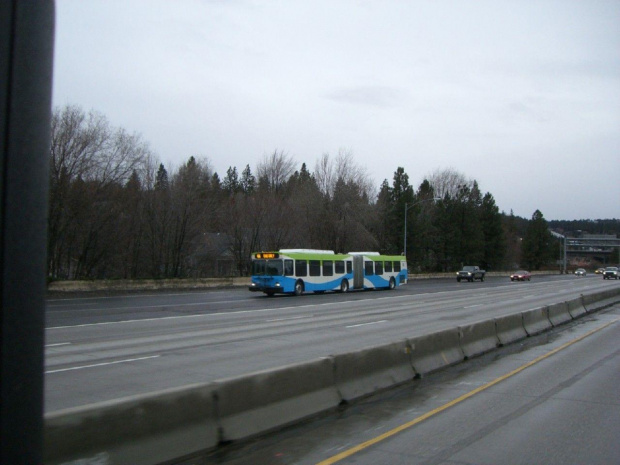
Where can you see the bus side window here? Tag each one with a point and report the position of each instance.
(396, 266)
(315, 268)
(378, 267)
(288, 268)
(328, 268)
(349, 267)
(369, 268)
(301, 268)
(388, 267)
(339, 267)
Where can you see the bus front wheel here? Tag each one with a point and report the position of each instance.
(299, 288)
(392, 283)
(344, 285)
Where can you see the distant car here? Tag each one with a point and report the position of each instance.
(600, 271)
(521, 275)
(580, 272)
(470, 273)
(611, 272)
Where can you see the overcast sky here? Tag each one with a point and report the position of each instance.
(522, 96)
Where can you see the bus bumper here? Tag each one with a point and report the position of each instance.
(266, 289)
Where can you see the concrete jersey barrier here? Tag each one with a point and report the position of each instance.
(510, 328)
(431, 352)
(602, 299)
(536, 321)
(558, 313)
(261, 401)
(575, 307)
(141, 430)
(366, 371)
(478, 338)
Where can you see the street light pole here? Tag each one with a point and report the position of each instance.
(405, 235)
(564, 257)
(407, 208)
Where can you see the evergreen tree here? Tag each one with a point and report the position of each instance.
(306, 204)
(248, 181)
(469, 228)
(493, 232)
(133, 183)
(216, 183)
(422, 232)
(304, 173)
(537, 243)
(161, 180)
(402, 192)
(402, 199)
(383, 229)
(426, 191)
(230, 182)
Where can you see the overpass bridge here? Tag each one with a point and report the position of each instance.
(598, 247)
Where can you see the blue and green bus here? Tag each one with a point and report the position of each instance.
(295, 271)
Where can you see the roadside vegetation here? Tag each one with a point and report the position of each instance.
(116, 212)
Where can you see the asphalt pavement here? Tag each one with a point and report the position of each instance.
(100, 349)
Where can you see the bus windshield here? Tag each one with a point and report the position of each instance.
(267, 268)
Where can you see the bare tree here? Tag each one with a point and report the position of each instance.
(448, 181)
(347, 192)
(324, 175)
(328, 172)
(276, 169)
(191, 204)
(90, 162)
(76, 141)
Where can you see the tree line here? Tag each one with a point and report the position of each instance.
(115, 211)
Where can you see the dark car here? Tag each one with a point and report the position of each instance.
(521, 275)
(470, 273)
(611, 272)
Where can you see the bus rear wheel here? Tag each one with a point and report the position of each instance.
(299, 288)
(344, 285)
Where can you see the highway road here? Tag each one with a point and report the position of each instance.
(104, 348)
(552, 399)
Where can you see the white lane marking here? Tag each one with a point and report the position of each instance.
(58, 344)
(171, 305)
(129, 296)
(366, 324)
(237, 312)
(101, 364)
(396, 297)
(103, 323)
(472, 306)
(287, 319)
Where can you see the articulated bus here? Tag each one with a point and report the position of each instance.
(295, 271)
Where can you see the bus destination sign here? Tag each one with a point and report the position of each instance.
(266, 255)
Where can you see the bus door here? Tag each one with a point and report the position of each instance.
(358, 272)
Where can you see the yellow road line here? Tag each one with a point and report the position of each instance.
(415, 421)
